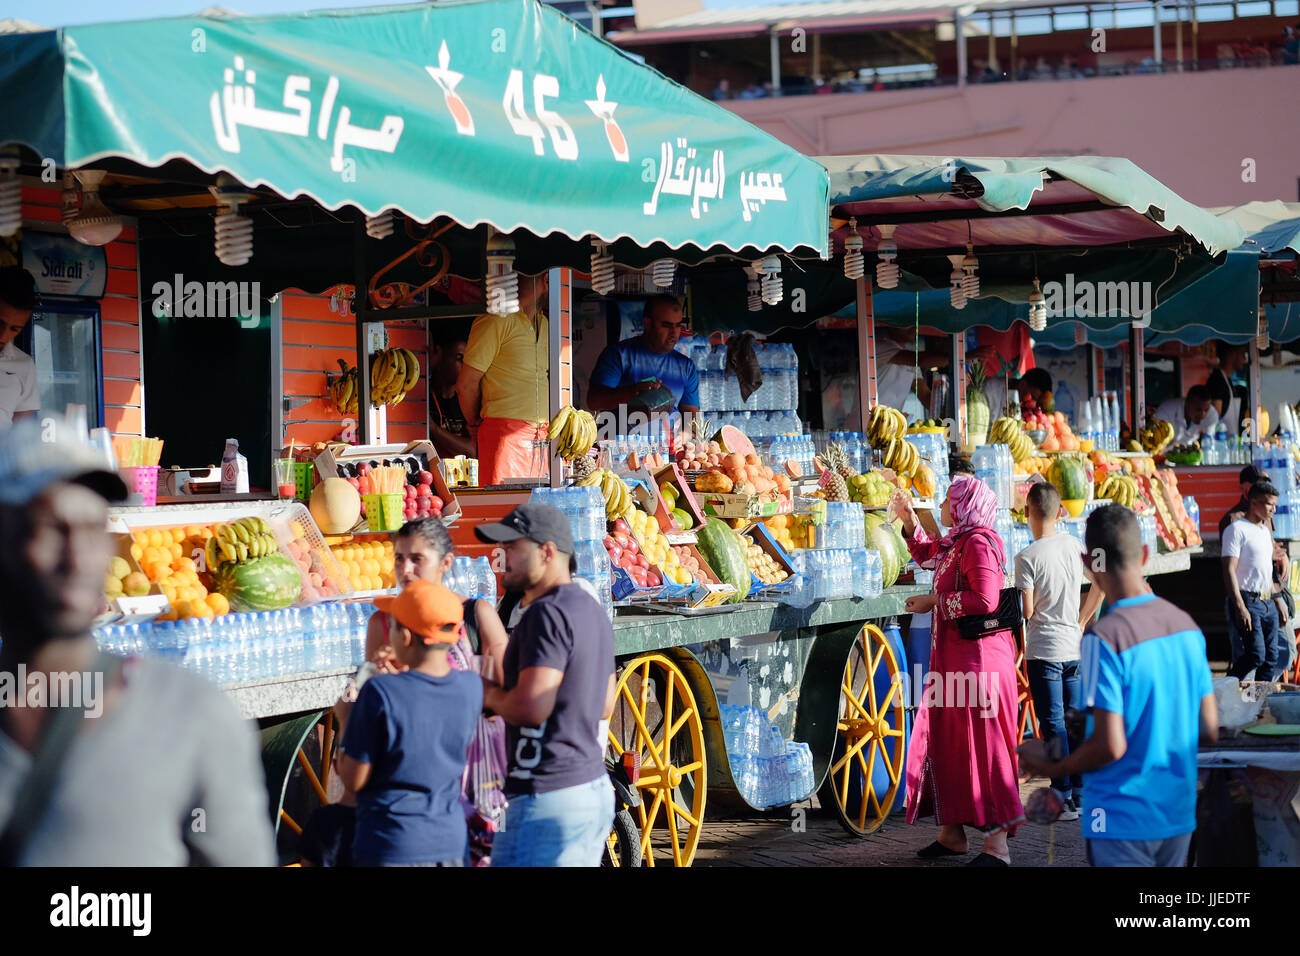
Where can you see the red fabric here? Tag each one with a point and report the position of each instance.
(506, 452)
(1013, 344)
(961, 763)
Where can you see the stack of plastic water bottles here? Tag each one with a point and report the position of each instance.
(1147, 525)
(720, 391)
(1279, 462)
(760, 426)
(836, 573)
(1020, 539)
(933, 449)
(768, 771)
(996, 468)
(844, 526)
(1073, 527)
(472, 578)
(796, 448)
(585, 509)
(250, 647)
(1193, 509)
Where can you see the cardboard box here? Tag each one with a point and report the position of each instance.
(763, 538)
(335, 455)
(731, 505)
(708, 591)
(131, 610)
(686, 500)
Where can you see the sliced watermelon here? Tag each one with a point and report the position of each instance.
(733, 441)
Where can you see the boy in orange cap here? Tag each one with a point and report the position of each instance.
(407, 736)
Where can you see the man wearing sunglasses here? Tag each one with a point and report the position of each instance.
(19, 395)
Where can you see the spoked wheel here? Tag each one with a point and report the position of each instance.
(866, 769)
(655, 717)
(1028, 722)
(311, 784)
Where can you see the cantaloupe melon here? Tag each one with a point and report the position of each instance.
(335, 505)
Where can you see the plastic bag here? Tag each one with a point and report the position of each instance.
(483, 796)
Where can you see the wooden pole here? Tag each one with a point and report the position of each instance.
(867, 396)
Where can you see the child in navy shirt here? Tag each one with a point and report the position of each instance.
(407, 737)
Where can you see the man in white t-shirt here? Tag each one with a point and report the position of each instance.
(1049, 576)
(1247, 555)
(1191, 416)
(19, 395)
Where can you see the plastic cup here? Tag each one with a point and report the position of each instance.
(285, 481)
(383, 512)
(302, 472)
(143, 480)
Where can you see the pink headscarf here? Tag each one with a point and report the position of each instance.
(973, 505)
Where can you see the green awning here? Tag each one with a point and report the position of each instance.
(497, 111)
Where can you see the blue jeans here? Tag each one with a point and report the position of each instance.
(1168, 852)
(1054, 686)
(1257, 651)
(561, 828)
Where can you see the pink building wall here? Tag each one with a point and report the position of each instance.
(1192, 131)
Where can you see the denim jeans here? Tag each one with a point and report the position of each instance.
(561, 828)
(1259, 650)
(1168, 852)
(1054, 686)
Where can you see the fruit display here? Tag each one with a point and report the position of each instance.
(732, 441)
(1034, 466)
(1007, 431)
(393, 373)
(618, 497)
(722, 549)
(1184, 454)
(1067, 473)
(368, 563)
(572, 432)
(170, 558)
(762, 565)
(656, 547)
(792, 532)
(121, 581)
(836, 474)
(929, 426)
(238, 542)
(1167, 482)
(871, 489)
(420, 501)
(267, 583)
(1059, 435)
(747, 476)
(884, 425)
(335, 504)
(680, 517)
(345, 389)
(901, 456)
(883, 536)
(1154, 436)
(697, 456)
(1121, 489)
(393, 476)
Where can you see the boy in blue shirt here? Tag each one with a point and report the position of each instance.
(407, 737)
(1146, 683)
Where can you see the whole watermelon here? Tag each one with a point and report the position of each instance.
(884, 536)
(1068, 475)
(263, 584)
(721, 547)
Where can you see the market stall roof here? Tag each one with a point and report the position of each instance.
(945, 202)
(491, 111)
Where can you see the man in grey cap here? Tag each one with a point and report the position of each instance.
(556, 698)
(103, 761)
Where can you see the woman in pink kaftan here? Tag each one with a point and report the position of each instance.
(961, 763)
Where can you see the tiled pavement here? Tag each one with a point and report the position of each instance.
(772, 839)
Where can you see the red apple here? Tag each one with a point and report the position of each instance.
(426, 477)
(363, 469)
(653, 580)
(355, 482)
(616, 556)
(409, 491)
(436, 502)
(423, 492)
(621, 525)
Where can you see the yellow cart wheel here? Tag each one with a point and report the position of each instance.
(315, 763)
(656, 718)
(866, 771)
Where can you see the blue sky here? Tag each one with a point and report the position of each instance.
(58, 13)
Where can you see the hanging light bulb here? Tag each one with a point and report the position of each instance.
(662, 272)
(1037, 309)
(752, 287)
(95, 224)
(770, 269)
(381, 226)
(234, 232)
(970, 285)
(11, 193)
(853, 265)
(956, 284)
(602, 268)
(887, 252)
(502, 280)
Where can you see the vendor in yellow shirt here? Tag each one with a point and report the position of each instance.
(504, 388)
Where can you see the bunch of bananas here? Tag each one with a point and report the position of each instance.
(573, 432)
(393, 373)
(618, 497)
(1007, 431)
(239, 541)
(344, 389)
(885, 425)
(901, 456)
(1121, 489)
(1155, 436)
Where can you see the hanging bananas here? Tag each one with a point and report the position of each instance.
(572, 432)
(885, 425)
(343, 389)
(1121, 489)
(900, 455)
(393, 373)
(1155, 436)
(618, 497)
(240, 541)
(1007, 431)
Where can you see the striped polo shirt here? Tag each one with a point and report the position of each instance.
(1145, 660)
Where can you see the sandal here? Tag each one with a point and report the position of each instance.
(937, 850)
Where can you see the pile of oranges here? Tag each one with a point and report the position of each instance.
(167, 556)
(367, 563)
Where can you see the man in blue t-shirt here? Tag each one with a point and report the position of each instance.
(1146, 683)
(634, 366)
(556, 698)
(407, 737)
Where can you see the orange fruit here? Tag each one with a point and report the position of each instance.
(155, 538)
(137, 552)
(218, 603)
(370, 566)
(184, 564)
(178, 534)
(176, 550)
(193, 530)
(141, 538)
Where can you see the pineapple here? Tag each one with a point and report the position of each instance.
(977, 408)
(835, 480)
(583, 466)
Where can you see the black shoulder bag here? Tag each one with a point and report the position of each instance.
(1005, 617)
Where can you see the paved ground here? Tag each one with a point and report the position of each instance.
(773, 840)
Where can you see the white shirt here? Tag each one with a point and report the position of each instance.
(1051, 569)
(18, 391)
(1174, 411)
(1252, 546)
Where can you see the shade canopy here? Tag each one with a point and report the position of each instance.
(502, 112)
